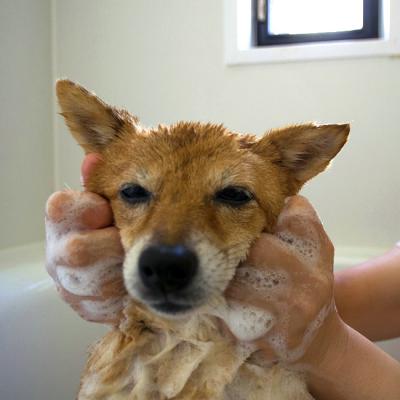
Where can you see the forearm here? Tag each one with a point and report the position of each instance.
(352, 368)
(368, 296)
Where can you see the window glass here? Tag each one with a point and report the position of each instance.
(313, 16)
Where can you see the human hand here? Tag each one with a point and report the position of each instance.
(286, 284)
(84, 254)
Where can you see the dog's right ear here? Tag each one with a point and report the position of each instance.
(302, 151)
(92, 122)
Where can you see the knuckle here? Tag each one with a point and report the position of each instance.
(93, 201)
(58, 204)
(76, 251)
(95, 211)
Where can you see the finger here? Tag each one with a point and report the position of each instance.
(94, 280)
(299, 218)
(79, 210)
(89, 164)
(90, 247)
(300, 227)
(102, 297)
(299, 205)
(99, 309)
(270, 252)
(104, 311)
(245, 295)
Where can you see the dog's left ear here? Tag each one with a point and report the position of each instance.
(92, 122)
(302, 151)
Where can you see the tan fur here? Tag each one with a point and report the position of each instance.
(183, 165)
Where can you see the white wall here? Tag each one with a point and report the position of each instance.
(26, 144)
(163, 60)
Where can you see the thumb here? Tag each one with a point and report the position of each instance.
(298, 219)
(89, 163)
(299, 226)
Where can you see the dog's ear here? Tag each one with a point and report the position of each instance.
(302, 151)
(92, 122)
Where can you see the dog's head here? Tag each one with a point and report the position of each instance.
(190, 198)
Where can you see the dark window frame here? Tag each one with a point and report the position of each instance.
(370, 30)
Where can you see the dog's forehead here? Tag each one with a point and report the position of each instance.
(209, 151)
(185, 150)
(197, 139)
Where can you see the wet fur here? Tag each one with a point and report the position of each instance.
(152, 357)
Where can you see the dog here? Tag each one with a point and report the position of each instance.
(189, 199)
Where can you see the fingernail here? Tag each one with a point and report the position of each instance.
(286, 199)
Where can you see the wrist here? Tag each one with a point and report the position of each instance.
(328, 346)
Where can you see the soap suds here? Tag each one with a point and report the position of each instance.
(267, 282)
(76, 205)
(58, 232)
(306, 248)
(247, 323)
(279, 342)
(102, 310)
(88, 280)
(82, 281)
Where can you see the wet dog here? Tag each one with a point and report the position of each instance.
(189, 199)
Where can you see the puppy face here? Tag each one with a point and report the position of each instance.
(189, 199)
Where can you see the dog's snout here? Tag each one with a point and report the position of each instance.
(165, 269)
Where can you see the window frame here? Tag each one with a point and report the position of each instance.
(370, 30)
(240, 48)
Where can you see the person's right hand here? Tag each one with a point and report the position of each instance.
(84, 254)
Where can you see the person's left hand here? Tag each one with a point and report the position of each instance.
(289, 277)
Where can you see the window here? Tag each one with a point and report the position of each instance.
(292, 32)
(292, 21)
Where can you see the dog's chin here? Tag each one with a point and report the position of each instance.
(172, 306)
(168, 309)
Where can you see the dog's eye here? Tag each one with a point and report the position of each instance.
(134, 194)
(233, 195)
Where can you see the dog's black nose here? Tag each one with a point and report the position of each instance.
(167, 268)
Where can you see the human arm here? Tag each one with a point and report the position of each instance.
(342, 364)
(368, 296)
